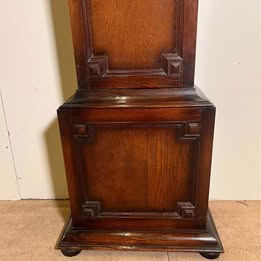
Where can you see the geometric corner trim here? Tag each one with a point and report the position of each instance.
(172, 64)
(189, 131)
(91, 208)
(185, 209)
(193, 128)
(84, 133)
(98, 65)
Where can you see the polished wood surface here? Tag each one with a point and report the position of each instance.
(205, 242)
(132, 33)
(148, 158)
(137, 134)
(184, 139)
(143, 98)
(134, 44)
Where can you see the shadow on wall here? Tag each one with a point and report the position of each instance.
(62, 31)
(62, 34)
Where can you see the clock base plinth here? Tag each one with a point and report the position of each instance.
(206, 242)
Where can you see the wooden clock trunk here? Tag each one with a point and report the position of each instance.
(137, 135)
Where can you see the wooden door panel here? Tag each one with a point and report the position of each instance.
(184, 131)
(133, 34)
(138, 170)
(134, 43)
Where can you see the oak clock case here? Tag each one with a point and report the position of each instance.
(137, 134)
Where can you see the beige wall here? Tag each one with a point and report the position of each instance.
(37, 74)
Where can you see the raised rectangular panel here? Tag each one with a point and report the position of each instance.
(156, 160)
(137, 136)
(133, 34)
(134, 43)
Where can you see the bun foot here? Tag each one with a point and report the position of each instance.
(70, 252)
(210, 255)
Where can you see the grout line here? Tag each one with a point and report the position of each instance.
(10, 145)
(168, 255)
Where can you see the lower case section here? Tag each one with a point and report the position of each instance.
(206, 242)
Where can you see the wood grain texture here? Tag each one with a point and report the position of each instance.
(137, 135)
(119, 44)
(143, 98)
(189, 29)
(136, 155)
(204, 241)
(149, 159)
(133, 33)
(79, 40)
(145, 173)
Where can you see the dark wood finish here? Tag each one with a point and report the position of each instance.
(70, 252)
(143, 25)
(128, 142)
(140, 151)
(210, 255)
(206, 241)
(128, 44)
(137, 135)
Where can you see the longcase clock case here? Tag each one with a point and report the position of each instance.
(137, 135)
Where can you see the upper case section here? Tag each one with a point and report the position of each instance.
(134, 43)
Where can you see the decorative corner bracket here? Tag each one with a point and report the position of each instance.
(98, 65)
(185, 210)
(172, 64)
(91, 208)
(84, 133)
(192, 128)
(189, 131)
